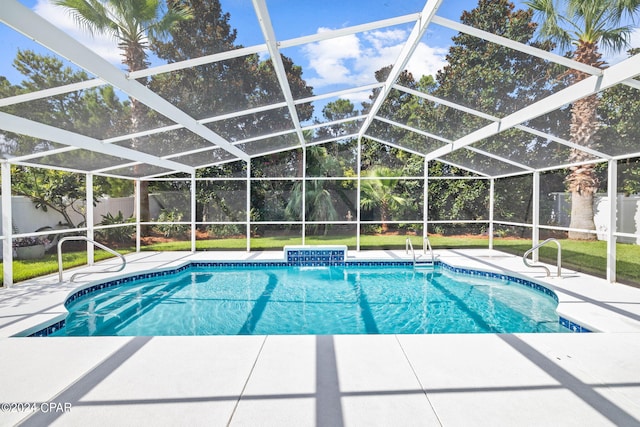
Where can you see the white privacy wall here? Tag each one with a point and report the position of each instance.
(27, 219)
(628, 217)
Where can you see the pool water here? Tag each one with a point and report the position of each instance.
(312, 300)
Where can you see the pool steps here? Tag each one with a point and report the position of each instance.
(120, 311)
(417, 262)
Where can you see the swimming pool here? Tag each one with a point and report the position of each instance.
(393, 298)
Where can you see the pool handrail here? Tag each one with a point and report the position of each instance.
(426, 245)
(100, 245)
(408, 245)
(559, 259)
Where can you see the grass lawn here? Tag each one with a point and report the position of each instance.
(28, 269)
(588, 257)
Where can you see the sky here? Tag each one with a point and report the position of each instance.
(327, 66)
(352, 59)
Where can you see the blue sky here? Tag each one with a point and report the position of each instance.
(330, 65)
(291, 19)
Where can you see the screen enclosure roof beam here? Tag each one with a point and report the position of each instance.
(32, 25)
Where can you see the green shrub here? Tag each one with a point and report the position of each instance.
(171, 230)
(226, 230)
(122, 234)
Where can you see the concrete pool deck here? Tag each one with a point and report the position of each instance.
(450, 380)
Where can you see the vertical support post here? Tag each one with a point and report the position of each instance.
(248, 206)
(7, 226)
(137, 210)
(612, 191)
(304, 194)
(535, 232)
(492, 198)
(425, 196)
(359, 164)
(193, 212)
(89, 219)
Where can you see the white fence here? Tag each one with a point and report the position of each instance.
(627, 221)
(26, 218)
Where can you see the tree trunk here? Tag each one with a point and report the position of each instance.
(582, 181)
(145, 212)
(135, 58)
(583, 184)
(582, 215)
(384, 215)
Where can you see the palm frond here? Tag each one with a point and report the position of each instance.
(615, 39)
(90, 15)
(569, 22)
(628, 9)
(552, 22)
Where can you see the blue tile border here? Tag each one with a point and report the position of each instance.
(45, 332)
(322, 262)
(120, 281)
(572, 326)
(501, 276)
(315, 256)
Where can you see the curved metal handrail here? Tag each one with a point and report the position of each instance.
(100, 245)
(526, 254)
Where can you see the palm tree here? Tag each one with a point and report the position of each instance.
(131, 23)
(319, 204)
(378, 192)
(586, 25)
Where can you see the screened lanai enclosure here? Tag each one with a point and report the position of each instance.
(238, 125)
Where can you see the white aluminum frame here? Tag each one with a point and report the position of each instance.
(27, 22)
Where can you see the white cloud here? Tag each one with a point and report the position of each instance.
(354, 59)
(387, 38)
(103, 45)
(427, 60)
(357, 98)
(329, 59)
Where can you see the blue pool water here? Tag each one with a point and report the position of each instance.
(312, 300)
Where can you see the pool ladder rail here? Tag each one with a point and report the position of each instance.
(417, 262)
(100, 245)
(559, 260)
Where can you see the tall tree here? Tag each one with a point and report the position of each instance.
(94, 112)
(224, 86)
(492, 79)
(207, 89)
(401, 107)
(587, 26)
(488, 77)
(132, 23)
(59, 191)
(456, 199)
(619, 114)
(319, 204)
